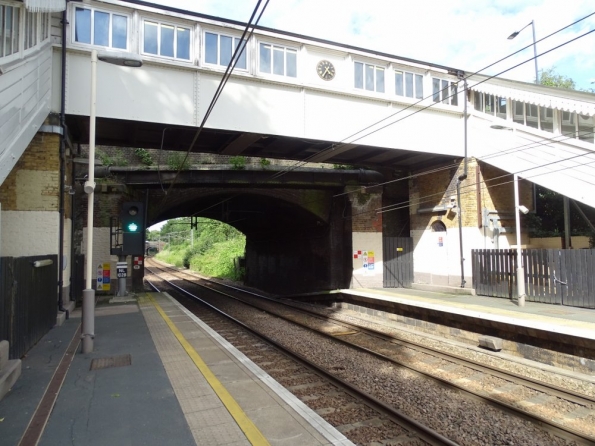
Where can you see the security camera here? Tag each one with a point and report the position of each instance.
(523, 209)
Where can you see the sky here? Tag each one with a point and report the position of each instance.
(463, 34)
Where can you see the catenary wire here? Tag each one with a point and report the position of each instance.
(343, 141)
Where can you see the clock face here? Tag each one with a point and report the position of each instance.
(325, 70)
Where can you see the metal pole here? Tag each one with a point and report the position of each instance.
(88, 323)
(567, 239)
(461, 179)
(535, 53)
(520, 272)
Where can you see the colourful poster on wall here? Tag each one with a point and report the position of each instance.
(370, 260)
(103, 277)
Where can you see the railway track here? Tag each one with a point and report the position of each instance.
(562, 414)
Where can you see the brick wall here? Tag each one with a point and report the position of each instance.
(30, 200)
(33, 184)
(437, 258)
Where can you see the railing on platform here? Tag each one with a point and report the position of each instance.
(28, 300)
(554, 276)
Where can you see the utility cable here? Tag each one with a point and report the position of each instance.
(344, 140)
(232, 63)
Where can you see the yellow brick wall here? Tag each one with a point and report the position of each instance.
(34, 183)
(495, 187)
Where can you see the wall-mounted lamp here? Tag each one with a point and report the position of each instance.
(40, 263)
(523, 209)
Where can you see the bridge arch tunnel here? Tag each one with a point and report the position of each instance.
(297, 240)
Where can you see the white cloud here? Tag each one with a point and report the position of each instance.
(465, 34)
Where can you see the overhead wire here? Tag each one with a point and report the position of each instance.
(342, 142)
(248, 30)
(347, 140)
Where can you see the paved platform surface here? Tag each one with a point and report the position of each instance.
(554, 318)
(160, 376)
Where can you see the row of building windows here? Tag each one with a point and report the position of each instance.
(107, 29)
(36, 29)
(571, 124)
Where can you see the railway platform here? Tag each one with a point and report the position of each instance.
(554, 335)
(158, 375)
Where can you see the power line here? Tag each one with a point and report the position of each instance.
(343, 141)
(232, 64)
(333, 146)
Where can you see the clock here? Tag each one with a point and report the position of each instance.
(325, 70)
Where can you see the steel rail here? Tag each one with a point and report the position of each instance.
(551, 426)
(424, 432)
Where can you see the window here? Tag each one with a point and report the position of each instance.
(30, 29)
(100, 28)
(445, 92)
(568, 124)
(532, 115)
(546, 119)
(166, 40)
(369, 77)
(478, 101)
(409, 85)
(220, 48)
(438, 226)
(586, 126)
(9, 30)
(45, 26)
(278, 60)
(518, 115)
(501, 107)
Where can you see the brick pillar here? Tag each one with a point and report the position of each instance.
(366, 226)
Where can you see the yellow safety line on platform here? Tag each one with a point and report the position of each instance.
(252, 433)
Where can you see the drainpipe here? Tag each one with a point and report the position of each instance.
(62, 170)
(462, 178)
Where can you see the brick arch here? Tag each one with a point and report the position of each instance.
(258, 213)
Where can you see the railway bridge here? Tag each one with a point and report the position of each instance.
(441, 146)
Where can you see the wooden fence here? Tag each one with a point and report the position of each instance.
(28, 301)
(554, 276)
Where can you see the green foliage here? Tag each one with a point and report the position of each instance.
(264, 163)
(174, 255)
(118, 160)
(550, 78)
(144, 156)
(218, 262)
(212, 253)
(178, 161)
(549, 220)
(153, 235)
(238, 162)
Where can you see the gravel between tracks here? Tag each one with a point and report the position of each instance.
(458, 417)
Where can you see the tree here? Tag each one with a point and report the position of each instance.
(550, 78)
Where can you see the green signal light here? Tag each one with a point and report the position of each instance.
(132, 227)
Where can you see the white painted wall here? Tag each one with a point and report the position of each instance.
(29, 233)
(441, 265)
(25, 94)
(367, 242)
(101, 253)
(181, 95)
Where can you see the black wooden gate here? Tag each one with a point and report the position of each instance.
(397, 254)
(28, 300)
(555, 276)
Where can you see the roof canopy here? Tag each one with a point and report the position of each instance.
(551, 97)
